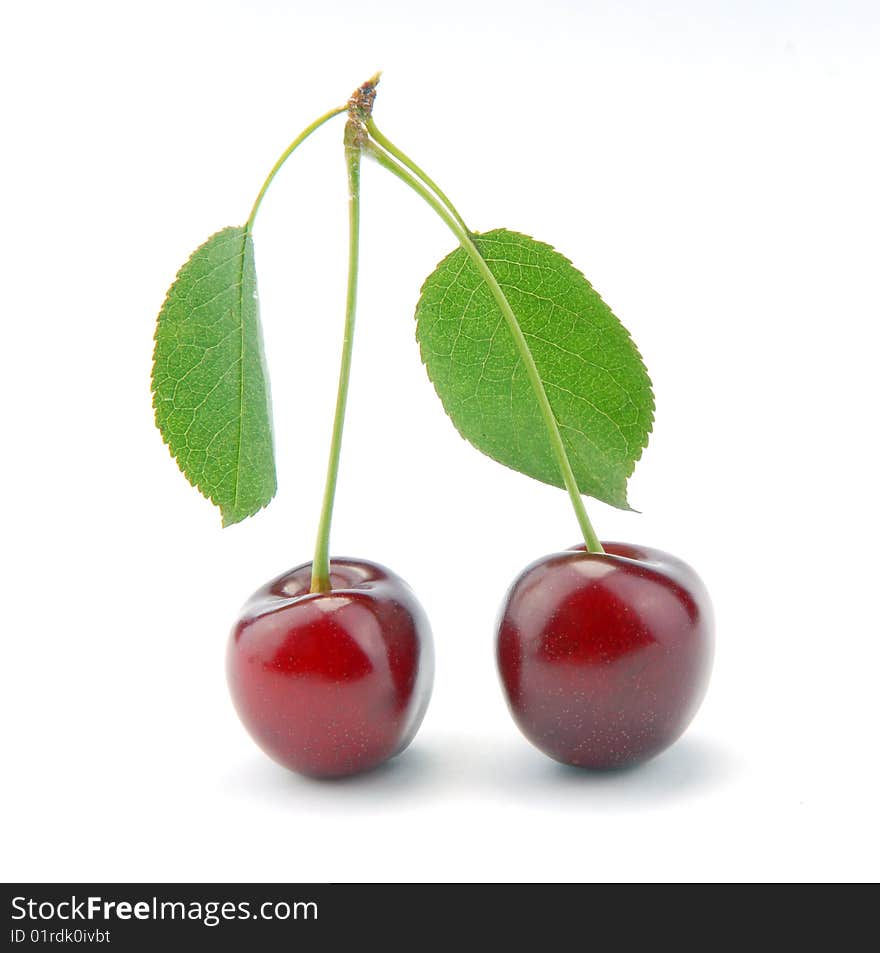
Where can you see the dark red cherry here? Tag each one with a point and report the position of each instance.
(334, 683)
(605, 658)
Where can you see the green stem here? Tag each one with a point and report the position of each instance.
(321, 562)
(461, 233)
(286, 155)
(405, 160)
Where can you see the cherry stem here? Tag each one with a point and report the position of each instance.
(321, 561)
(419, 173)
(424, 187)
(301, 138)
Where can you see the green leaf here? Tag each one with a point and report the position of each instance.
(594, 378)
(210, 385)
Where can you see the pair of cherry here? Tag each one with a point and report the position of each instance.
(603, 657)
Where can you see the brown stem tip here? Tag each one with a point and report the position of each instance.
(360, 105)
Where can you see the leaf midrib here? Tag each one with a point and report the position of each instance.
(244, 241)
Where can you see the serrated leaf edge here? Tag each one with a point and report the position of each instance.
(641, 449)
(253, 511)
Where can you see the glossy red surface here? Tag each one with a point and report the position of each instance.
(604, 659)
(335, 683)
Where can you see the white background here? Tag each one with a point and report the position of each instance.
(711, 167)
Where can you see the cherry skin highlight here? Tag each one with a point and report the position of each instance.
(332, 684)
(605, 658)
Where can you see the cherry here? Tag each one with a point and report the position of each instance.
(605, 657)
(332, 683)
